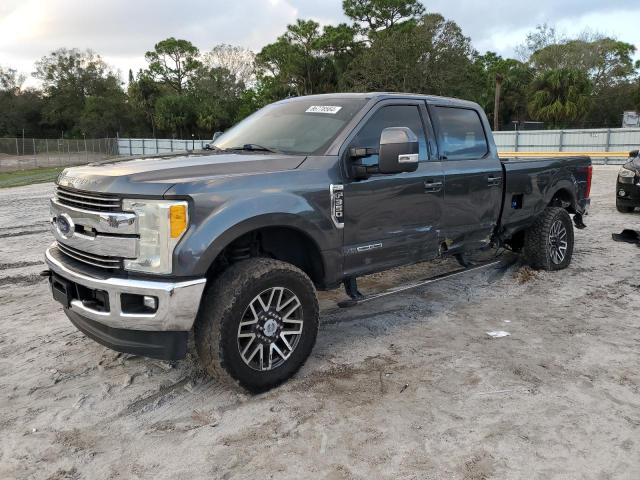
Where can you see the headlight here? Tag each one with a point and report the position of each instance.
(625, 175)
(161, 224)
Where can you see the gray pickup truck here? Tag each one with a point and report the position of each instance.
(305, 194)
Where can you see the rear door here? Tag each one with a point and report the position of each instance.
(472, 177)
(392, 220)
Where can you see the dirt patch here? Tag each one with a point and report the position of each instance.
(23, 233)
(21, 280)
(525, 274)
(9, 266)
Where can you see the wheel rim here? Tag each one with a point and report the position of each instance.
(558, 242)
(270, 329)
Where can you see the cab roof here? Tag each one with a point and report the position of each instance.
(377, 96)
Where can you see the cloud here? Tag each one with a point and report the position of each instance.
(500, 25)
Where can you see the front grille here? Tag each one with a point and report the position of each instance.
(91, 258)
(96, 202)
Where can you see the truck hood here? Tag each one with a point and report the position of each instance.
(155, 175)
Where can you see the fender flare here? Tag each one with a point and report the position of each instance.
(230, 222)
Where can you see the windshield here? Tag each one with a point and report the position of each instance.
(299, 127)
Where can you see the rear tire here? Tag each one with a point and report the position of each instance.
(249, 330)
(548, 243)
(623, 208)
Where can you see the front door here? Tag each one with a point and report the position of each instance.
(391, 220)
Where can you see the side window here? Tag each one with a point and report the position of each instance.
(461, 134)
(391, 116)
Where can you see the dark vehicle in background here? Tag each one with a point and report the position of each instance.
(305, 194)
(628, 184)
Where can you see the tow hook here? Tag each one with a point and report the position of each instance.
(45, 273)
(577, 221)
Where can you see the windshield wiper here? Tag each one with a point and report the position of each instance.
(254, 147)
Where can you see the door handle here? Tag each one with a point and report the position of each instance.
(494, 181)
(432, 186)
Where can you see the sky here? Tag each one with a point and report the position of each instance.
(121, 31)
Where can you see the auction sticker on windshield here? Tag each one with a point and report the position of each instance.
(332, 109)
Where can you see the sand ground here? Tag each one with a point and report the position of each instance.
(408, 387)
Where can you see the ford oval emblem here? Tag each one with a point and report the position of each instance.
(65, 225)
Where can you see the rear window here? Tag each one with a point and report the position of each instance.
(461, 134)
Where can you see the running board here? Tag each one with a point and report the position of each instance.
(365, 298)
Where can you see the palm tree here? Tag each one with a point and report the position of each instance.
(496, 102)
(560, 96)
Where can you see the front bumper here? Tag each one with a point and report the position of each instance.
(177, 305)
(631, 197)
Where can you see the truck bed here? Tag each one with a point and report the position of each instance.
(531, 183)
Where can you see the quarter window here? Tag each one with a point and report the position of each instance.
(461, 134)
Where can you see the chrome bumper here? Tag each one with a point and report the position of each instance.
(177, 302)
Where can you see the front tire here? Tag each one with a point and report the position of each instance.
(548, 243)
(257, 323)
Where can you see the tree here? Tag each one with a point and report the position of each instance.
(297, 64)
(606, 61)
(374, 15)
(69, 78)
(513, 78)
(104, 116)
(560, 96)
(19, 109)
(496, 105)
(175, 114)
(143, 93)
(238, 61)
(216, 95)
(431, 56)
(10, 80)
(173, 62)
(543, 36)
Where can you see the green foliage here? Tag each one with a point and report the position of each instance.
(431, 56)
(28, 177)
(606, 61)
(217, 96)
(560, 96)
(514, 78)
(79, 88)
(175, 113)
(374, 15)
(388, 45)
(18, 109)
(173, 62)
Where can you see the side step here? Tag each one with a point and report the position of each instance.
(352, 302)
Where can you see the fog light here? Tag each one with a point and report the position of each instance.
(621, 193)
(150, 302)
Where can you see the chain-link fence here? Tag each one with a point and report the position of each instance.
(26, 153)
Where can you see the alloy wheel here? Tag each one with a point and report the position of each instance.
(270, 329)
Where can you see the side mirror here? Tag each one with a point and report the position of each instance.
(398, 150)
(634, 153)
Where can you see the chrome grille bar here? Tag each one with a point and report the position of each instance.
(90, 259)
(88, 201)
